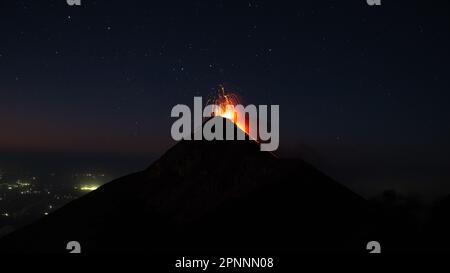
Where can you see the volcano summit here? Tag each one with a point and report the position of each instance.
(245, 118)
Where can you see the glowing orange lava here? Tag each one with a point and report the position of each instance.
(226, 103)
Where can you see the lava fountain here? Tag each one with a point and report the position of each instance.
(225, 106)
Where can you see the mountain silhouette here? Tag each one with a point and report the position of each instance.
(208, 196)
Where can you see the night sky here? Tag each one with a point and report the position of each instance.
(363, 90)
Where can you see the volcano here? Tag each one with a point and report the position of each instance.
(207, 196)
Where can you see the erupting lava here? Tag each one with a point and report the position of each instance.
(226, 103)
(251, 120)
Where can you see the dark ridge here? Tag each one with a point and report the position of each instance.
(208, 195)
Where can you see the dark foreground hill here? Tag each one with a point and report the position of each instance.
(208, 196)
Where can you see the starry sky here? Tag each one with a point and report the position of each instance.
(363, 90)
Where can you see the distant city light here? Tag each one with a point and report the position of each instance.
(88, 187)
(15, 189)
(21, 183)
